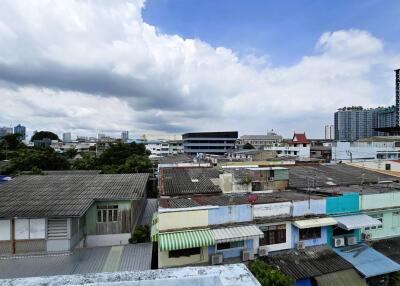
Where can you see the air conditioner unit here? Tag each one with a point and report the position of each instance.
(366, 236)
(247, 255)
(262, 251)
(351, 240)
(216, 259)
(300, 245)
(271, 179)
(338, 242)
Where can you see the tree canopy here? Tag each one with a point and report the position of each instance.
(11, 141)
(268, 275)
(248, 146)
(44, 134)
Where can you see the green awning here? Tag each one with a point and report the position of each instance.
(185, 239)
(341, 278)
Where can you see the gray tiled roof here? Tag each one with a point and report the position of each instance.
(66, 195)
(187, 181)
(310, 262)
(331, 175)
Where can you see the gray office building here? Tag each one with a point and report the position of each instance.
(353, 123)
(217, 143)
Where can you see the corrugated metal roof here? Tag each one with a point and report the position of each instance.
(236, 233)
(367, 260)
(187, 181)
(66, 195)
(351, 222)
(329, 175)
(315, 222)
(310, 262)
(150, 209)
(389, 247)
(341, 278)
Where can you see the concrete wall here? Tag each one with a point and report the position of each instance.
(309, 242)
(347, 203)
(301, 208)
(390, 224)
(272, 210)
(182, 219)
(107, 239)
(380, 201)
(165, 261)
(56, 245)
(230, 214)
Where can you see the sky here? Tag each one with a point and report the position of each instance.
(175, 66)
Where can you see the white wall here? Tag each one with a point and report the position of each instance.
(271, 210)
(5, 229)
(280, 246)
(342, 151)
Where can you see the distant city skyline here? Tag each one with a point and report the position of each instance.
(183, 66)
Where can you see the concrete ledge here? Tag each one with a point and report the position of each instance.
(107, 239)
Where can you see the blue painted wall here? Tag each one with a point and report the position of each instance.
(308, 207)
(310, 242)
(303, 282)
(228, 214)
(230, 253)
(347, 203)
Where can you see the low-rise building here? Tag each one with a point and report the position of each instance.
(260, 141)
(53, 213)
(299, 147)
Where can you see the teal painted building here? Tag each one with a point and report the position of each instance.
(348, 203)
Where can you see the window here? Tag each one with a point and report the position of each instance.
(273, 234)
(378, 217)
(304, 145)
(310, 233)
(387, 167)
(107, 213)
(184, 252)
(228, 245)
(396, 219)
(340, 231)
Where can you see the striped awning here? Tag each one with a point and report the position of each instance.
(236, 233)
(185, 239)
(351, 222)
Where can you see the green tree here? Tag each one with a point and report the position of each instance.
(86, 163)
(44, 134)
(141, 234)
(248, 146)
(118, 153)
(11, 141)
(36, 159)
(136, 164)
(268, 275)
(70, 153)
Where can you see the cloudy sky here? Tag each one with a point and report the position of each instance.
(171, 66)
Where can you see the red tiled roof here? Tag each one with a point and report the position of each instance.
(300, 138)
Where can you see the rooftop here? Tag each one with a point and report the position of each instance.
(66, 195)
(310, 262)
(237, 199)
(317, 175)
(131, 257)
(188, 181)
(388, 247)
(362, 189)
(173, 159)
(232, 275)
